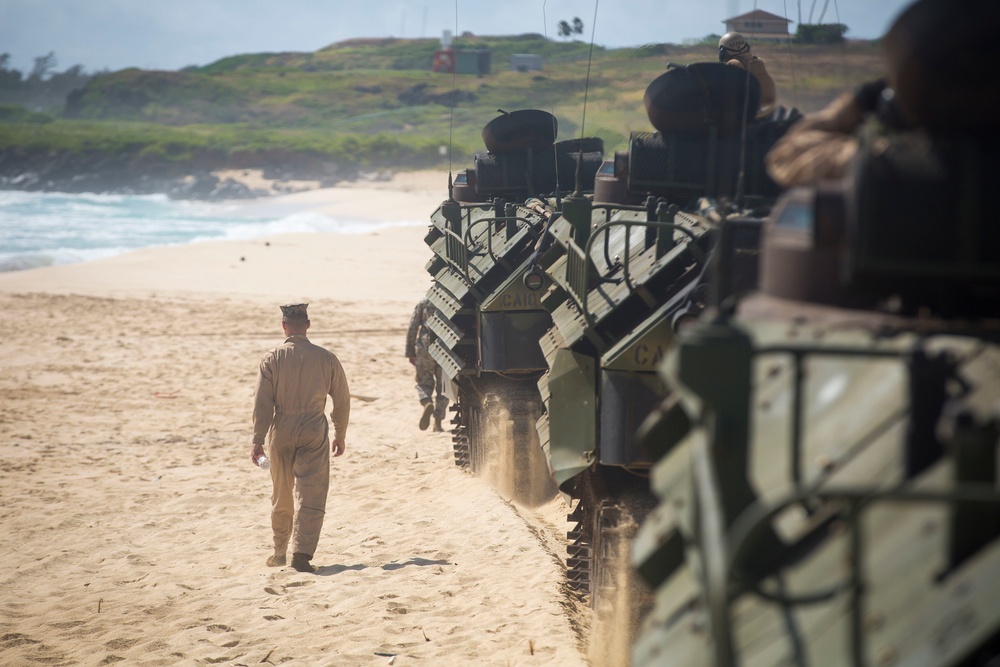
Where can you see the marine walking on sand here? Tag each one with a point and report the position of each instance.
(293, 382)
(429, 376)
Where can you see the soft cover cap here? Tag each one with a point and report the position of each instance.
(294, 311)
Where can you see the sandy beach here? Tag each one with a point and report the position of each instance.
(137, 529)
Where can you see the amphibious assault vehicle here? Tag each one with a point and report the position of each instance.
(834, 499)
(489, 319)
(561, 276)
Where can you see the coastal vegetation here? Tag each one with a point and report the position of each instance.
(41, 87)
(370, 104)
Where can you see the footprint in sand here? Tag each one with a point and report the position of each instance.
(275, 590)
(218, 627)
(12, 639)
(274, 617)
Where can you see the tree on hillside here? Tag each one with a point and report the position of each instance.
(44, 88)
(43, 65)
(10, 79)
(567, 29)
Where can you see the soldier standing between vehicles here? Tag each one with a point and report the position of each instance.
(290, 398)
(430, 380)
(735, 50)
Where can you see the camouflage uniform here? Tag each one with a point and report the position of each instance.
(429, 377)
(819, 147)
(289, 402)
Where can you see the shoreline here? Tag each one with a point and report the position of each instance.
(256, 269)
(365, 206)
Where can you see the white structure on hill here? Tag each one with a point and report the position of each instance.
(759, 25)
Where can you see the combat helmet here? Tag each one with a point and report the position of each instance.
(731, 45)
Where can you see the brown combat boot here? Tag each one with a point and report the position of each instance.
(300, 562)
(425, 419)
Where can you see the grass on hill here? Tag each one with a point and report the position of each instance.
(376, 100)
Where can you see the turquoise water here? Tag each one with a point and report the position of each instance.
(44, 229)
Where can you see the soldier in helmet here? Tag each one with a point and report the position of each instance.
(293, 382)
(735, 50)
(430, 380)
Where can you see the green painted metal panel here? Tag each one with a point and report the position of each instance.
(452, 364)
(676, 631)
(572, 417)
(658, 549)
(513, 295)
(447, 332)
(665, 426)
(643, 349)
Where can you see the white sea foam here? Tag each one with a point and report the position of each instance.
(305, 222)
(45, 229)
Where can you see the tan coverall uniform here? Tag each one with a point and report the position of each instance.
(294, 380)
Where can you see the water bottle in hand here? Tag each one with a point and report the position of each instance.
(264, 462)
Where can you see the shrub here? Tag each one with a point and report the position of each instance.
(820, 33)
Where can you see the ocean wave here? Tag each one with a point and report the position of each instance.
(46, 229)
(305, 222)
(49, 198)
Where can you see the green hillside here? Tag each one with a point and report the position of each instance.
(376, 103)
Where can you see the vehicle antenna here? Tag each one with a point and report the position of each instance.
(586, 90)
(791, 60)
(451, 119)
(741, 178)
(552, 110)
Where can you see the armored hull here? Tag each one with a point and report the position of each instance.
(835, 500)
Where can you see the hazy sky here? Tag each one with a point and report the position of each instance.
(170, 34)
